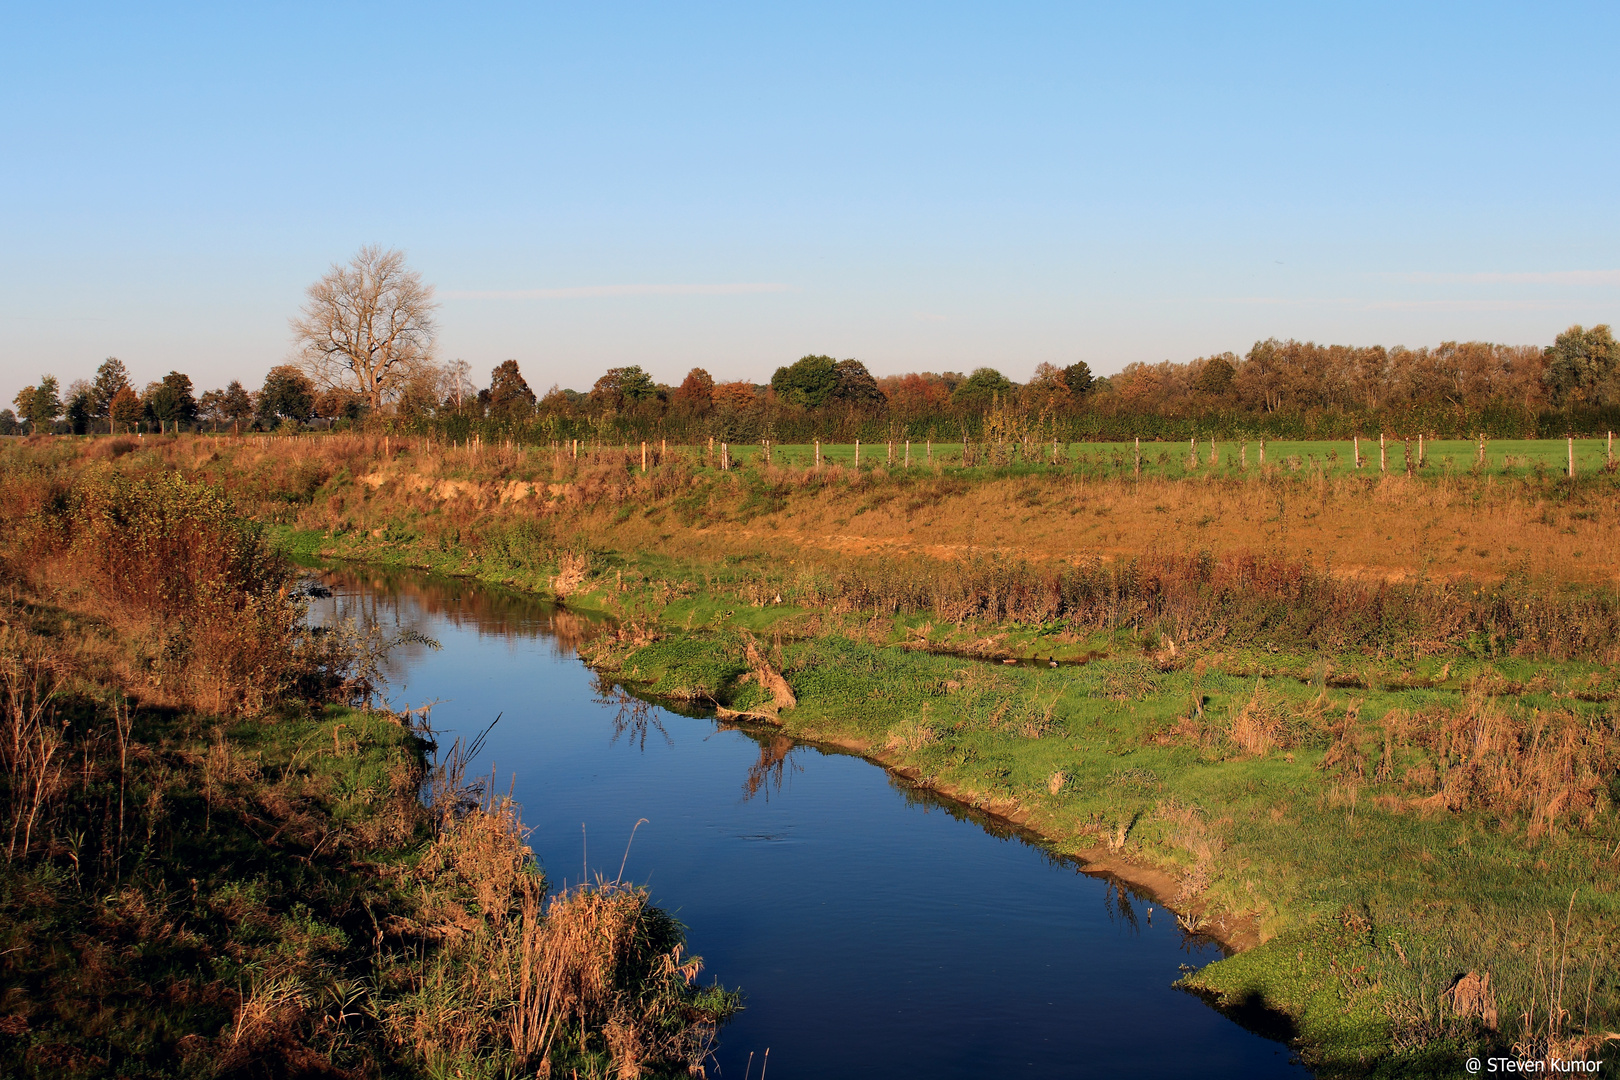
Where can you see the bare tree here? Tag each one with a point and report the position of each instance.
(367, 325)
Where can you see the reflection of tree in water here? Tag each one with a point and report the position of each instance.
(634, 716)
(776, 761)
(1117, 902)
(485, 608)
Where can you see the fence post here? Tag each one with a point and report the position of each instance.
(1355, 449)
(1192, 452)
(1262, 453)
(1243, 453)
(1420, 449)
(1571, 456)
(1383, 456)
(1480, 459)
(1139, 457)
(929, 450)
(643, 455)
(725, 457)
(857, 453)
(908, 453)
(1214, 455)
(818, 453)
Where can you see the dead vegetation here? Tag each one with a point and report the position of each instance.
(218, 863)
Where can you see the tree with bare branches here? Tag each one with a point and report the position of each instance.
(366, 326)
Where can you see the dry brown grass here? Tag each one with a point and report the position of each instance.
(1552, 766)
(1390, 528)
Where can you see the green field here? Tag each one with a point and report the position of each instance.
(1502, 457)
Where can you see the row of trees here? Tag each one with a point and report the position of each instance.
(111, 403)
(367, 334)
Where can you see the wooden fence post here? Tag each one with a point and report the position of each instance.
(1420, 449)
(643, 455)
(1572, 457)
(1243, 453)
(857, 453)
(1262, 453)
(1355, 449)
(908, 453)
(1214, 455)
(818, 453)
(1383, 456)
(1139, 457)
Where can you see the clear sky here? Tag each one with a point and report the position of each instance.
(930, 186)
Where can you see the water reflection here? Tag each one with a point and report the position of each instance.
(634, 716)
(882, 930)
(389, 595)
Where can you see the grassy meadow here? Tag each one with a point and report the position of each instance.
(1359, 725)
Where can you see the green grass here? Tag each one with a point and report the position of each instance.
(1300, 851)
(1503, 457)
(139, 969)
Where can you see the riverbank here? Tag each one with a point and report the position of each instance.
(1277, 802)
(218, 857)
(1385, 784)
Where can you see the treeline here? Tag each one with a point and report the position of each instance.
(1279, 389)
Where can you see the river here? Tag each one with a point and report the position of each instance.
(874, 930)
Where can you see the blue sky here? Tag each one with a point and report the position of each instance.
(926, 186)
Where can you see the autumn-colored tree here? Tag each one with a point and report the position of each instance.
(695, 395)
(25, 403)
(738, 396)
(124, 409)
(917, 394)
(1047, 392)
(336, 403)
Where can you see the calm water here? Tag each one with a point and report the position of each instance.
(874, 931)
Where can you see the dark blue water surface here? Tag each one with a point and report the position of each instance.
(873, 930)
